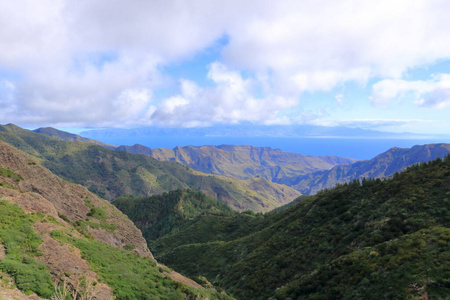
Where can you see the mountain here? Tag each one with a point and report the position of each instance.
(66, 136)
(383, 165)
(306, 174)
(369, 239)
(60, 241)
(244, 161)
(110, 174)
(250, 130)
(239, 162)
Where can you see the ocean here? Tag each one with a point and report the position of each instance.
(346, 147)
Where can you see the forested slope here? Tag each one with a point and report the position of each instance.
(373, 239)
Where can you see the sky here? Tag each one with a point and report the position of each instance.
(382, 65)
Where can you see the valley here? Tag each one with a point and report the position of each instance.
(238, 234)
(224, 150)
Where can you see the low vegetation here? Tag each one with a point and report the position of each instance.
(21, 245)
(10, 174)
(131, 276)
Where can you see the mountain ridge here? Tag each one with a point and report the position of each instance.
(383, 165)
(366, 239)
(113, 173)
(306, 174)
(242, 161)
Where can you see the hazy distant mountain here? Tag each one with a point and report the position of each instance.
(385, 164)
(250, 130)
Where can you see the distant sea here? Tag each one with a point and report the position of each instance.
(346, 147)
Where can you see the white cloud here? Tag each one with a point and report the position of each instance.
(229, 101)
(433, 93)
(315, 45)
(97, 62)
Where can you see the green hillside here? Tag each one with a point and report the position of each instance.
(160, 215)
(130, 276)
(374, 239)
(110, 174)
(59, 241)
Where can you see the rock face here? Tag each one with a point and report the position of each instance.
(39, 190)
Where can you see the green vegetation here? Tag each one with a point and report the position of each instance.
(408, 266)
(30, 261)
(21, 245)
(7, 185)
(111, 174)
(10, 174)
(131, 276)
(162, 214)
(369, 239)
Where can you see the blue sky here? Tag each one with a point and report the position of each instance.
(382, 65)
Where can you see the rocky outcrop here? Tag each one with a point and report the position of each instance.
(60, 241)
(38, 190)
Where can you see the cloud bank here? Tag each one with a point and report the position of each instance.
(99, 63)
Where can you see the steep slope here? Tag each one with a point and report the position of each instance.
(160, 215)
(51, 195)
(243, 162)
(375, 239)
(110, 174)
(58, 239)
(383, 165)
